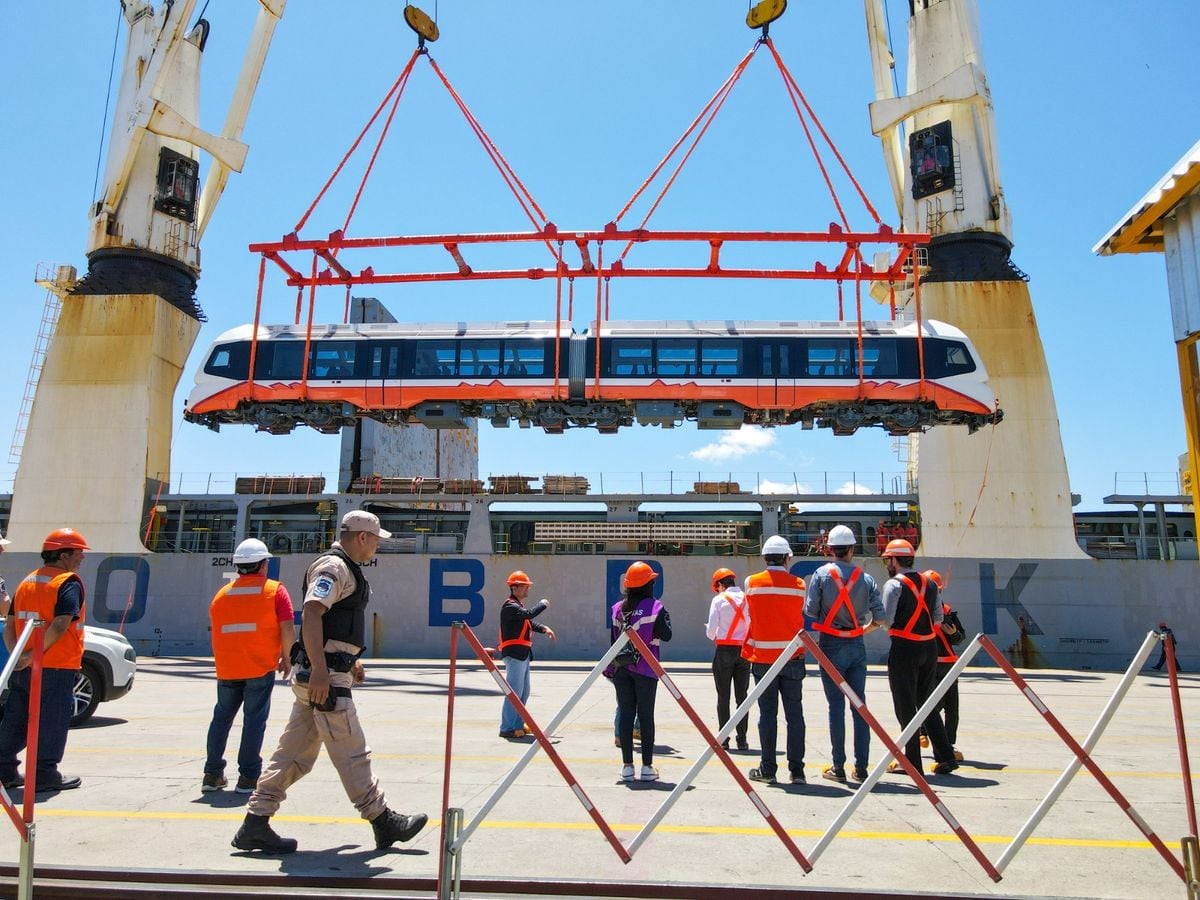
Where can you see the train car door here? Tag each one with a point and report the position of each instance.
(333, 370)
(777, 373)
(383, 374)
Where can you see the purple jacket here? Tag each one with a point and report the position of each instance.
(642, 619)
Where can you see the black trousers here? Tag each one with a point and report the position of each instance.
(912, 676)
(730, 670)
(949, 704)
(635, 699)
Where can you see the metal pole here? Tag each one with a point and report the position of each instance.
(25, 876)
(1093, 738)
(450, 870)
(1191, 864)
(455, 630)
(1185, 766)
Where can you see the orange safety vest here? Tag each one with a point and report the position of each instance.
(739, 613)
(843, 599)
(776, 601)
(946, 653)
(245, 628)
(521, 640)
(35, 599)
(907, 632)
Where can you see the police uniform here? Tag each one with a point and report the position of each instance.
(337, 583)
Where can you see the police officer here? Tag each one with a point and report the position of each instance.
(843, 602)
(53, 593)
(776, 599)
(728, 622)
(912, 609)
(332, 637)
(252, 636)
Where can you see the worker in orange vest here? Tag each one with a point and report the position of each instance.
(516, 647)
(252, 637)
(949, 633)
(912, 610)
(776, 599)
(53, 594)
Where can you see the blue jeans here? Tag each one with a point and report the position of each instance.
(849, 655)
(253, 696)
(788, 685)
(58, 705)
(516, 673)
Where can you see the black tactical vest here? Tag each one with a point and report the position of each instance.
(346, 620)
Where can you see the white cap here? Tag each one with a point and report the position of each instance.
(251, 550)
(841, 536)
(361, 520)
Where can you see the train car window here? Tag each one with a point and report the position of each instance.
(879, 358)
(429, 359)
(945, 358)
(830, 358)
(776, 359)
(332, 360)
(675, 357)
(528, 357)
(630, 357)
(279, 359)
(229, 361)
(478, 358)
(385, 360)
(721, 357)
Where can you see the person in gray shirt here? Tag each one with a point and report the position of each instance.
(843, 603)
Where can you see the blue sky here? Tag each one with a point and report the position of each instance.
(583, 99)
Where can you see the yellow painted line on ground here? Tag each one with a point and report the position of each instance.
(1084, 843)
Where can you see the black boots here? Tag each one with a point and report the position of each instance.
(256, 834)
(391, 826)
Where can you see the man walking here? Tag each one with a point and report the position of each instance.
(912, 609)
(776, 599)
(728, 622)
(53, 594)
(332, 637)
(844, 603)
(252, 636)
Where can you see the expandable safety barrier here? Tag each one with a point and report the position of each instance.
(455, 833)
(22, 820)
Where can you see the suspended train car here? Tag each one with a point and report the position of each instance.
(720, 374)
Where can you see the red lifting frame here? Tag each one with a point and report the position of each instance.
(850, 263)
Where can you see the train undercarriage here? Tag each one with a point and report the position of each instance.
(554, 417)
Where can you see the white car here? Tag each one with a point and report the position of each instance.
(109, 664)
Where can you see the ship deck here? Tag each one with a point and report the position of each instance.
(141, 807)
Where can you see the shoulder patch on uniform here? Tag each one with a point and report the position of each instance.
(322, 587)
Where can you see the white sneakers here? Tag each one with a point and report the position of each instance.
(648, 773)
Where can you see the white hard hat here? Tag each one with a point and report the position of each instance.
(776, 546)
(251, 550)
(841, 536)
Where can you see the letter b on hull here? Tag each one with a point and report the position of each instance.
(454, 595)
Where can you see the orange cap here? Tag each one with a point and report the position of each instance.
(720, 575)
(933, 576)
(519, 577)
(899, 547)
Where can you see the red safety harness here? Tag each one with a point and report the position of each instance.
(907, 632)
(521, 640)
(843, 599)
(946, 654)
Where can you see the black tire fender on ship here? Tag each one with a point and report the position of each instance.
(281, 543)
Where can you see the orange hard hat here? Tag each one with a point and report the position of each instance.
(933, 576)
(64, 539)
(639, 574)
(519, 577)
(899, 547)
(720, 575)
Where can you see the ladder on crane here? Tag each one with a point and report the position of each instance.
(51, 307)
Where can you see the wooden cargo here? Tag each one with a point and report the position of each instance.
(717, 487)
(378, 484)
(564, 484)
(280, 484)
(512, 484)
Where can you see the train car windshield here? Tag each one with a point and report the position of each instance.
(946, 358)
(229, 361)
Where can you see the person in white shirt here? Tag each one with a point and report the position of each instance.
(728, 620)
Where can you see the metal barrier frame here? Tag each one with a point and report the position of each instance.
(34, 633)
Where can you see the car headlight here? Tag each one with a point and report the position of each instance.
(131, 654)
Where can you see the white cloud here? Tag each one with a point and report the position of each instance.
(736, 444)
(767, 486)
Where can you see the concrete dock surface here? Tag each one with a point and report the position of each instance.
(141, 760)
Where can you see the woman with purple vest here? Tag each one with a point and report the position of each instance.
(635, 682)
